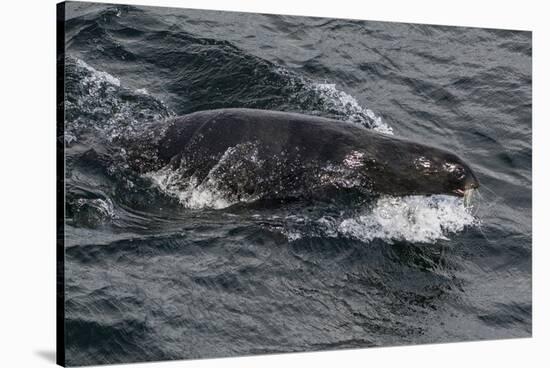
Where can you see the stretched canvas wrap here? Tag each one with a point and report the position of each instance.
(237, 183)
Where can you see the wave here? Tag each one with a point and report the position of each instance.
(237, 165)
(419, 219)
(97, 101)
(190, 192)
(348, 105)
(333, 101)
(93, 212)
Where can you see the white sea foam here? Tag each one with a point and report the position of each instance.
(339, 101)
(98, 75)
(347, 104)
(97, 102)
(94, 212)
(189, 192)
(209, 193)
(412, 218)
(142, 91)
(417, 219)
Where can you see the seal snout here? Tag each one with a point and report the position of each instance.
(464, 180)
(470, 185)
(471, 181)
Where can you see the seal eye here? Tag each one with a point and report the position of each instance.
(455, 170)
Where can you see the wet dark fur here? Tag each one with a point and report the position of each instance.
(295, 151)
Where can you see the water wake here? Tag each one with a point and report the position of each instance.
(421, 219)
(119, 112)
(99, 102)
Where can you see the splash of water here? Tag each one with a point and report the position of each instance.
(348, 105)
(336, 101)
(411, 218)
(235, 164)
(99, 102)
(420, 219)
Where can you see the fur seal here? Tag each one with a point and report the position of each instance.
(259, 154)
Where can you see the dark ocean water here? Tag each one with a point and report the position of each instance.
(155, 270)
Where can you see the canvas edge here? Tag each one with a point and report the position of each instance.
(60, 184)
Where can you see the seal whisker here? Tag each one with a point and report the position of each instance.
(468, 195)
(485, 187)
(477, 207)
(490, 203)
